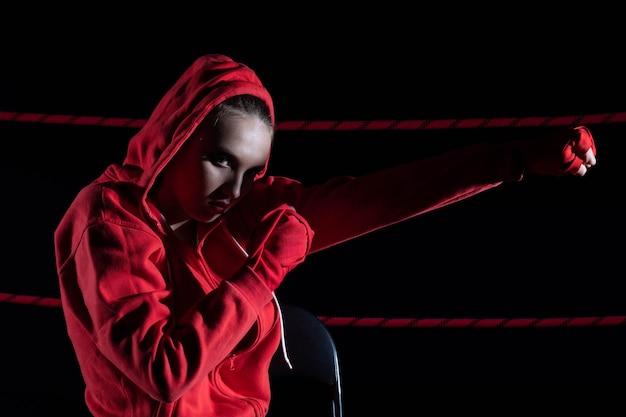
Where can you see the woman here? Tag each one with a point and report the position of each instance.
(168, 262)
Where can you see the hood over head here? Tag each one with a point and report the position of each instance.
(208, 81)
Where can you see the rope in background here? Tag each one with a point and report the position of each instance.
(399, 322)
(600, 118)
(472, 123)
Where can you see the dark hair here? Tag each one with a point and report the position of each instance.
(243, 104)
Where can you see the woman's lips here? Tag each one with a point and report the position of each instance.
(218, 207)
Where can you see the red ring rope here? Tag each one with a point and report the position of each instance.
(472, 123)
(601, 118)
(399, 322)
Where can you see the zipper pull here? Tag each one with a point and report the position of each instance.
(232, 361)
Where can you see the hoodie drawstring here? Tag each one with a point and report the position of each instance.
(283, 342)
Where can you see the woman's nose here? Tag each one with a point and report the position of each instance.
(233, 187)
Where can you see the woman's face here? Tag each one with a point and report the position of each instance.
(214, 168)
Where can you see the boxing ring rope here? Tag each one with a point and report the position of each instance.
(599, 118)
(399, 322)
(471, 123)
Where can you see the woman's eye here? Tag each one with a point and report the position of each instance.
(220, 160)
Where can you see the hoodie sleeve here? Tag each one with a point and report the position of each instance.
(115, 289)
(346, 207)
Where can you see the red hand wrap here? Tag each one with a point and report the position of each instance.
(282, 240)
(558, 153)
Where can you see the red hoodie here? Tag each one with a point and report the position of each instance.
(162, 330)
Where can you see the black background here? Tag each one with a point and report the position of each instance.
(545, 247)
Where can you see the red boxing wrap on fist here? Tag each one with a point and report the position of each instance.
(282, 240)
(560, 153)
